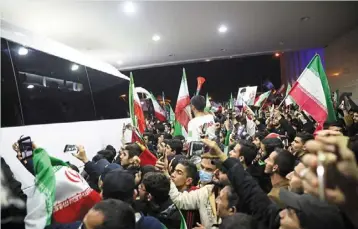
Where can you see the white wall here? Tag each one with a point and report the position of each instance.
(93, 135)
(341, 57)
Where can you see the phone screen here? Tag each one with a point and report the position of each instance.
(70, 148)
(25, 146)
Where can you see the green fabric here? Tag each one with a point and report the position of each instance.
(316, 66)
(177, 128)
(227, 138)
(45, 180)
(131, 101)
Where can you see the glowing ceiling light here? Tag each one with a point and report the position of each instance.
(119, 62)
(30, 86)
(23, 51)
(156, 37)
(74, 67)
(129, 7)
(222, 29)
(277, 54)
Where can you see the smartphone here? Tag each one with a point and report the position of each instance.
(70, 148)
(196, 148)
(203, 130)
(25, 147)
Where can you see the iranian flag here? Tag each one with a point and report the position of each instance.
(260, 99)
(288, 99)
(60, 193)
(231, 102)
(312, 94)
(135, 108)
(182, 109)
(159, 112)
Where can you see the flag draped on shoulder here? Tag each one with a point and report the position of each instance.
(312, 93)
(60, 193)
(182, 108)
(261, 99)
(135, 108)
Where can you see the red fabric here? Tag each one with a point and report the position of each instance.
(308, 103)
(159, 116)
(76, 211)
(180, 113)
(147, 158)
(140, 116)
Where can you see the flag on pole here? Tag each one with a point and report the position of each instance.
(260, 99)
(312, 93)
(182, 108)
(60, 193)
(171, 116)
(208, 103)
(135, 107)
(288, 99)
(201, 81)
(159, 112)
(231, 102)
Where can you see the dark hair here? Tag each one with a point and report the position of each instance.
(199, 102)
(97, 158)
(180, 137)
(133, 150)
(261, 135)
(338, 123)
(285, 161)
(232, 197)
(243, 90)
(176, 145)
(238, 220)
(248, 150)
(158, 185)
(270, 145)
(117, 214)
(190, 170)
(304, 136)
(150, 136)
(111, 148)
(159, 127)
(107, 154)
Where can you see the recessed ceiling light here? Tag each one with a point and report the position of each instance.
(222, 29)
(223, 50)
(156, 37)
(305, 18)
(23, 51)
(119, 62)
(74, 67)
(129, 7)
(277, 54)
(171, 55)
(207, 60)
(30, 86)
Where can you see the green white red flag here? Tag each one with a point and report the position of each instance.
(259, 100)
(135, 107)
(182, 108)
(312, 94)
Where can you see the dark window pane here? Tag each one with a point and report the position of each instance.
(107, 91)
(52, 90)
(10, 107)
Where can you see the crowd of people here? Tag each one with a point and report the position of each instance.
(284, 174)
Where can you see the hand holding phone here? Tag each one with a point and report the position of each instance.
(25, 148)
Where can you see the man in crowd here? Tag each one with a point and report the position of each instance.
(227, 202)
(200, 120)
(278, 165)
(185, 178)
(298, 145)
(295, 183)
(281, 126)
(174, 147)
(245, 151)
(157, 186)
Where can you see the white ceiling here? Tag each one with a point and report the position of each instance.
(187, 29)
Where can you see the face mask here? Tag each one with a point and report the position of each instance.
(205, 177)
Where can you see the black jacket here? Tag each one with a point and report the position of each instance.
(285, 128)
(263, 209)
(257, 171)
(167, 213)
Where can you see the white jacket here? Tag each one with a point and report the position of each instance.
(201, 199)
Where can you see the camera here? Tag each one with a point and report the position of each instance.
(196, 148)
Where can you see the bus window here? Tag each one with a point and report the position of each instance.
(52, 90)
(110, 94)
(11, 114)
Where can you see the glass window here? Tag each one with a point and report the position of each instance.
(110, 94)
(52, 90)
(10, 103)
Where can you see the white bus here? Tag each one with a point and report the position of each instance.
(57, 96)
